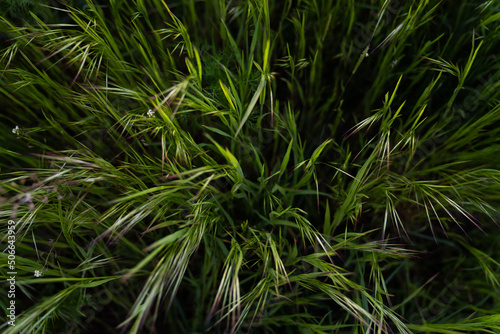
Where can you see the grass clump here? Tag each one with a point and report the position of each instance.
(267, 166)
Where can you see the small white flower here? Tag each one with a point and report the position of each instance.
(394, 63)
(365, 52)
(151, 112)
(37, 273)
(28, 198)
(16, 130)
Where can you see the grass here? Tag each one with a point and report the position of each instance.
(276, 167)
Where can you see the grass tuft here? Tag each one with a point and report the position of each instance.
(234, 166)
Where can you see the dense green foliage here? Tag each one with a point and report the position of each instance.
(311, 166)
